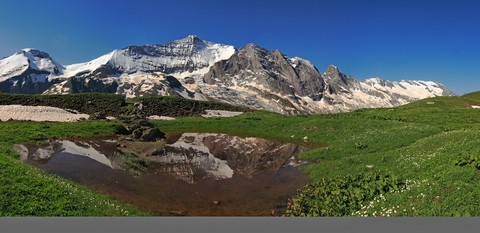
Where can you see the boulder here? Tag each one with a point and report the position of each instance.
(189, 80)
(133, 127)
(139, 105)
(120, 129)
(152, 134)
(157, 152)
(137, 134)
(21, 150)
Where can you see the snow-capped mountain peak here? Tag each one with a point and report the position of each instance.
(35, 52)
(190, 56)
(42, 61)
(191, 40)
(122, 69)
(373, 80)
(29, 71)
(29, 59)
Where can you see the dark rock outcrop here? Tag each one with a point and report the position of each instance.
(152, 134)
(270, 69)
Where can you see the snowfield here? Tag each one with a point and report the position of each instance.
(220, 113)
(38, 113)
(157, 117)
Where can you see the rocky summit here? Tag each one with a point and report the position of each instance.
(193, 68)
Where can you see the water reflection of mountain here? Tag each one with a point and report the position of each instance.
(221, 156)
(192, 157)
(102, 153)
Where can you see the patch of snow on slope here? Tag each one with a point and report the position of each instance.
(13, 66)
(220, 113)
(294, 60)
(38, 113)
(416, 89)
(72, 70)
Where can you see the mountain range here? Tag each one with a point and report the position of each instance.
(193, 68)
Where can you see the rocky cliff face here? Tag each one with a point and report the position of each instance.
(193, 68)
(258, 67)
(344, 93)
(257, 78)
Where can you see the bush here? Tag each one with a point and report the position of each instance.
(179, 107)
(361, 146)
(340, 196)
(472, 160)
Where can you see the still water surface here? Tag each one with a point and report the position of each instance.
(195, 174)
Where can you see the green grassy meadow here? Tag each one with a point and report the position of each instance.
(419, 159)
(28, 191)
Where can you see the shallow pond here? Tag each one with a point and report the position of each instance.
(195, 174)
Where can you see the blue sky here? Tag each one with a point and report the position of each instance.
(428, 40)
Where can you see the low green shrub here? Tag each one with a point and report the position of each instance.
(472, 160)
(89, 103)
(340, 196)
(179, 107)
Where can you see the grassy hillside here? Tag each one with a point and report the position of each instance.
(421, 159)
(473, 96)
(429, 151)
